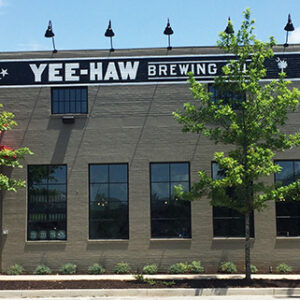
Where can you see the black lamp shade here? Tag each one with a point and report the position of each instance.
(289, 26)
(109, 32)
(49, 33)
(168, 30)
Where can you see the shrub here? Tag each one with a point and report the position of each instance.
(151, 282)
(15, 270)
(42, 270)
(253, 269)
(195, 267)
(284, 268)
(168, 283)
(96, 269)
(178, 268)
(122, 268)
(68, 269)
(139, 278)
(150, 269)
(227, 267)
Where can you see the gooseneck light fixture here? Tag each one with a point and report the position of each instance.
(229, 28)
(50, 34)
(109, 33)
(168, 31)
(288, 27)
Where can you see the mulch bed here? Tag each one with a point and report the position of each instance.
(126, 284)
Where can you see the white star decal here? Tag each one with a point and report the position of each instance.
(3, 72)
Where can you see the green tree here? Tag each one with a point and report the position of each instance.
(10, 158)
(249, 116)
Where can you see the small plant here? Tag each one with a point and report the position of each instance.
(68, 269)
(139, 278)
(96, 269)
(15, 270)
(122, 268)
(150, 281)
(150, 269)
(42, 270)
(283, 268)
(227, 267)
(253, 269)
(178, 268)
(168, 283)
(195, 267)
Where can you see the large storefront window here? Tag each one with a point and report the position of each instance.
(288, 212)
(170, 217)
(109, 201)
(228, 222)
(47, 194)
(71, 100)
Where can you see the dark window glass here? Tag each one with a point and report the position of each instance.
(228, 222)
(47, 194)
(170, 217)
(69, 100)
(228, 96)
(109, 201)
(288, 212)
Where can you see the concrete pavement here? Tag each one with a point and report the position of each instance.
(141, 293)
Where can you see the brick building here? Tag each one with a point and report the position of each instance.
(107, 153)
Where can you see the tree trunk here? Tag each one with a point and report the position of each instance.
(247, 247)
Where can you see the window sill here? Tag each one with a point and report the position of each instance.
(170, 239)
(46, 242)
(108, 241)
(285, 238)
(76, 115)
(231, 238)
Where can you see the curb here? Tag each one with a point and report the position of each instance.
(149, 292)
(155, 276)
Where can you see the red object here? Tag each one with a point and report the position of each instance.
(5, 148)
(4, 125)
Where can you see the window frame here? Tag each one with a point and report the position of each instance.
(89, 201)
(235, 106)
(85, 88)
(28, 204)
(231, 210)
(277, 203)
(169, 182)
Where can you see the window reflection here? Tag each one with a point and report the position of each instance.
(288, 212)
(170, 217)
(47, 190)
(228, 222)
(109, 201)
(69, 100)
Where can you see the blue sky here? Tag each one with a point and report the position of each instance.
(80, 24)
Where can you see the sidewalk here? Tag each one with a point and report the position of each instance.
(276, 292)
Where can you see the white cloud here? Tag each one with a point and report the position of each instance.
(294, 37)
